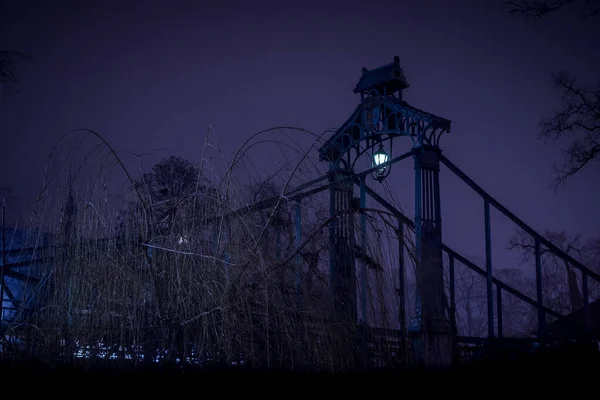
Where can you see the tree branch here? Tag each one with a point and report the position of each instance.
(539, 9)
(579, 118)
(536, 9)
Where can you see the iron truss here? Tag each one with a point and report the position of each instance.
(379, 118)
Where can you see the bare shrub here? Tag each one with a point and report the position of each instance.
(178, 265)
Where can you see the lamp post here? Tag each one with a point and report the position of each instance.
(380, 157)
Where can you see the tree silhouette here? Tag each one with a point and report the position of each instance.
(539, 9)
(8, 63)
(578, 117)
(174, 192)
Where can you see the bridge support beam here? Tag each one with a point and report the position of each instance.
(431, 328)
(342, 274)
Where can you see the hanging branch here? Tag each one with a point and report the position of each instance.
(539, 9)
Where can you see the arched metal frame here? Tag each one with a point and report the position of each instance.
(381, 117)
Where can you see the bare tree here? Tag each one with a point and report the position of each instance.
(193, 275)
(472, 307)
(470, 303)
(578, 117)
(518, 317)
(558, 296)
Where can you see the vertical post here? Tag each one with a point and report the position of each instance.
(298, 272)
(539, 290)
(488, 267)
(332, 234)
(364, 278)
(452, 278)
(401, 278)
(499, 307)
(402, 290)
(586, 300)
(437, 205)
(452, 294)
(342, 280)
(416, 322)
(435, 346)
(364, 283)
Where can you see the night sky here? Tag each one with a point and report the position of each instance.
(153, 74)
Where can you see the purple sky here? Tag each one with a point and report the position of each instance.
(153, 74)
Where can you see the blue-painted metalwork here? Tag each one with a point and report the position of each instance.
(499, 284)
(528, 229)
(488, 267)
(364, 283)
(539, 290)
(416, 322)
(401, 278)
(377, 120)
(431, 321)
(452, 285)
(499, 308)
(382, 116)
(332, 233)
(342, 280)
(454, 255)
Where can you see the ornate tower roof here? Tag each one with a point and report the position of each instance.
(388, 78)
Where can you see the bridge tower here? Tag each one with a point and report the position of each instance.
(382, 116)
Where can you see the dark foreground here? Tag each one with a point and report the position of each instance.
(575, 369)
